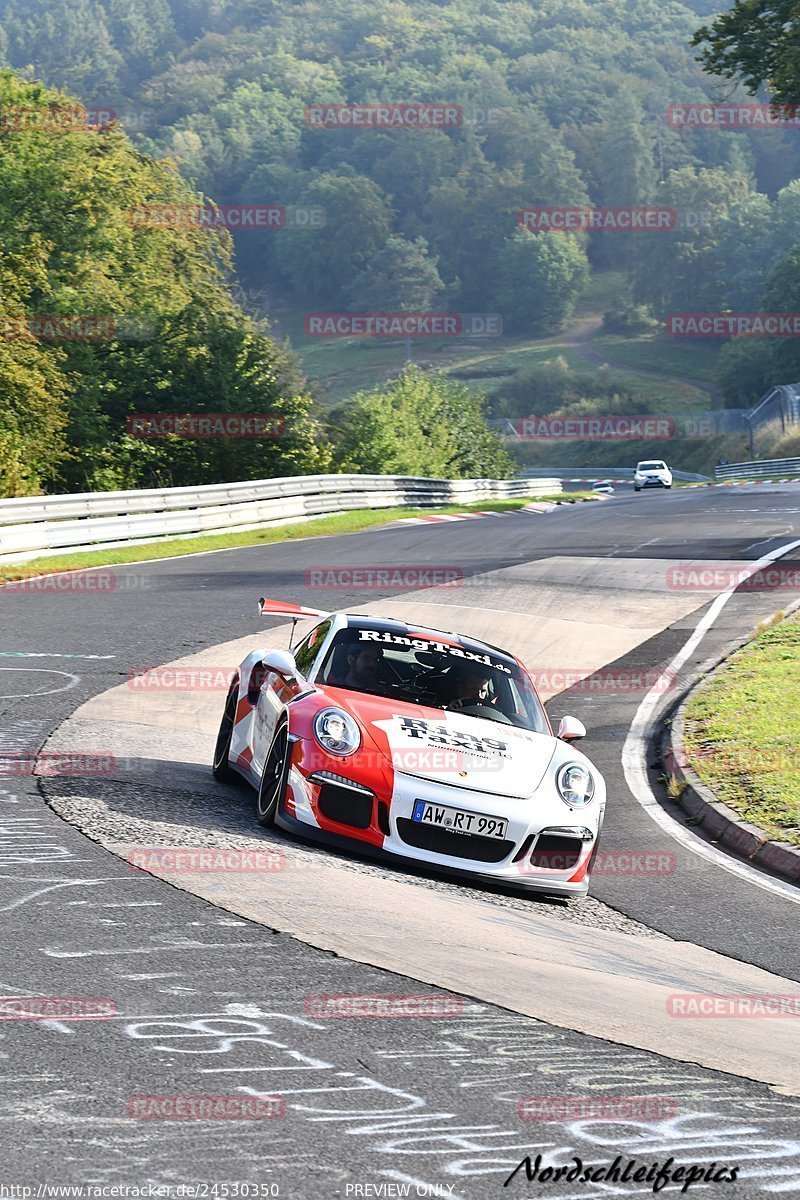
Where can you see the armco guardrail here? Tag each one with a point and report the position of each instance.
(42, 525)
(759, 469)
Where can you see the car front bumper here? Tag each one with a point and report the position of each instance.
(514, 861)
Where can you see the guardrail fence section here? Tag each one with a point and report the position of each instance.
(44, 525)
(759, 469)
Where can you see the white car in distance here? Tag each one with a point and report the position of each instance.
(652, 472)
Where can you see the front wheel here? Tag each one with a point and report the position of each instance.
(272, 788)
(222, 769)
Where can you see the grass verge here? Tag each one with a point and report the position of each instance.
(657, 352)
(742, 732)
(349, 522)
(337, 368)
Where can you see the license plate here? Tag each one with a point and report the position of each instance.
(457, 821)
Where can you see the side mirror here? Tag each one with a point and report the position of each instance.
(282, 663)
(570, 729)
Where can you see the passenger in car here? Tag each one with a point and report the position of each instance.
(363, 667)
(466, 685)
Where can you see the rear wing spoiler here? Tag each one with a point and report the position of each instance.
(280, 608)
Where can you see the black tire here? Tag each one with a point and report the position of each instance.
(272, 788)
(637, 489)
(221, 768)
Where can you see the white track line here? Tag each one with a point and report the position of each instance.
(634, 760)
(74, 680)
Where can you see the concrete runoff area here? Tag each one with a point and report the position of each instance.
(565, 614)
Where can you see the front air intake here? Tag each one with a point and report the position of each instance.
(556, 852)
(345, 806)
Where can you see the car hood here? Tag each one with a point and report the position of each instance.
(452, 748)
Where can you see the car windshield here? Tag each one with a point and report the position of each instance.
(650, 466)
(420, 669)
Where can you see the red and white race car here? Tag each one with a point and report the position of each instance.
(417, 744)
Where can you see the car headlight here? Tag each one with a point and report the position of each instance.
(575, 784)
(336, 731)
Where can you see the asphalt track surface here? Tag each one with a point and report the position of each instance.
(211, 1004)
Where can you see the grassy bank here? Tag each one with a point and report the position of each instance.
(339, 367)
(698, 455)
(657, 352)
(742, 732)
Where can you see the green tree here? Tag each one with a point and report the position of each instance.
(539, 277)
(35, 392)
(409, 168)
(321, 263)
(782, 295)
(756, 42)
(418, 425)
(745, 370)
(70, 41)
(678, 270)
(743, 252)
(400, 277)
(92, 245)
(468, 218)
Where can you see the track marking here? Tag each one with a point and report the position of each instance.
(52, 887)
(74, 681)
(47, 654)
(195, 946)
(634, 758)
(774, 537)
(632, 549)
